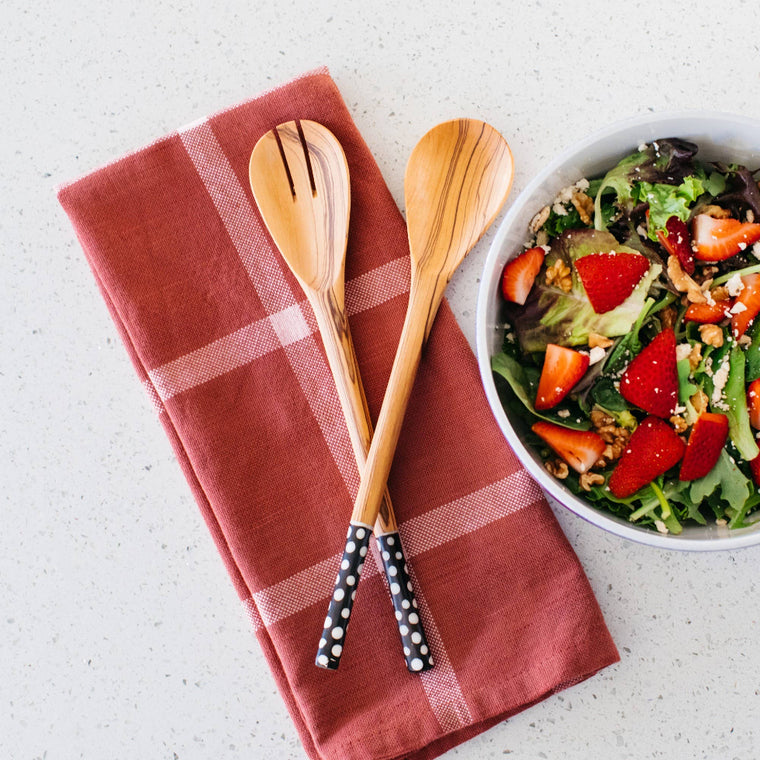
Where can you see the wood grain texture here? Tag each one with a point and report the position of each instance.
(299, 179)
(457, 179)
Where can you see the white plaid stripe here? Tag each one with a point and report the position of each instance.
(258, 338)
(310, 369)
(420, 534)
(268, 278)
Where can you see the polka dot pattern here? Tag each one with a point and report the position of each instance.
(339, 612)
(414, 644)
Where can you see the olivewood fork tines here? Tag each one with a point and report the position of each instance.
(299, 178)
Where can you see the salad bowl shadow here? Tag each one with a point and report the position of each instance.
(720, 137)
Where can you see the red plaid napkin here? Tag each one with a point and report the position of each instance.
(227, 347)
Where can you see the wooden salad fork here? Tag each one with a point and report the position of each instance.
(300, 181)
(457, 179)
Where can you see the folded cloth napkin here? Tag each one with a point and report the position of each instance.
(226, 345)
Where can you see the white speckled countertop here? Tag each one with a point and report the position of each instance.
(120, 634)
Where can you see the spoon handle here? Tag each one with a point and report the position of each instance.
(424, 298)
(341, 357)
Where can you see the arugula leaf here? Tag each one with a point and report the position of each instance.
(607, 396)
(739, 428)
(556, 224)
(514, 373)
(734, 487)
(752, 355)
(686, 389)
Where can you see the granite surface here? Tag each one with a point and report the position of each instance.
(120, 635)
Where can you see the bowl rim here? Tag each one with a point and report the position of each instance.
(734, 540)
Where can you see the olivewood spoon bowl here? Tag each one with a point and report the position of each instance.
(299, 179)
(457, 179)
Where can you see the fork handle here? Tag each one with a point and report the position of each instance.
(341, 356)
(339, 611)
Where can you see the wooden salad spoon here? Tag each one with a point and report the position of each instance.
(457, 179)
(299, 179)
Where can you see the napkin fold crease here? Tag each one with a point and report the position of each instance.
(226, 346)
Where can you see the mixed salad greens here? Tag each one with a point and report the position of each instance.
(631, 354)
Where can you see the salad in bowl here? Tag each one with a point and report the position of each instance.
(630, 339)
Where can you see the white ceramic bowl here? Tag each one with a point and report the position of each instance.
(721, 137)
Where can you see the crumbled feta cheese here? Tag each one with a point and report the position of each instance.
(719, 382)
(682, 351)
(559, 209)
(756, 250)
(738, 308)
(660, 525)
(742, 245)
(596, 354)
(641, 230)
(581, 184)
(563, 413)
(680, 409)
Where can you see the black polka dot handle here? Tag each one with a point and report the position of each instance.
(416, 650)
(339, 611)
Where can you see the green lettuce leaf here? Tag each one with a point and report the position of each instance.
(734, 487)
(668, 161)
(512, 371)
(667, 200)
(552, 316)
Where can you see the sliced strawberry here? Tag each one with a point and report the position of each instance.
(675, 240)
(609, 278)
(653, 449)
(707, 439)
(520, 273)
(579, 448)
(651, 379)
(749, 298)
(562, 369)
(754, 465)
(708, 313)
(718, 239)
(753, 403)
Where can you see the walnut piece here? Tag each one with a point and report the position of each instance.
(600, 419)
(583, 205)
(683, 282)
(705, 273)
(716, 212)
(589, 479)
(615, 436)
(539, 220)
(668, 317)
(599, 341)
(712, 335)
(558, 468)
(558, 275)
(720, 293)
(678, 423)
(695, 357)
(699, 401)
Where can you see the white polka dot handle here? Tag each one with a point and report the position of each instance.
(416, 650)
(339, 611)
